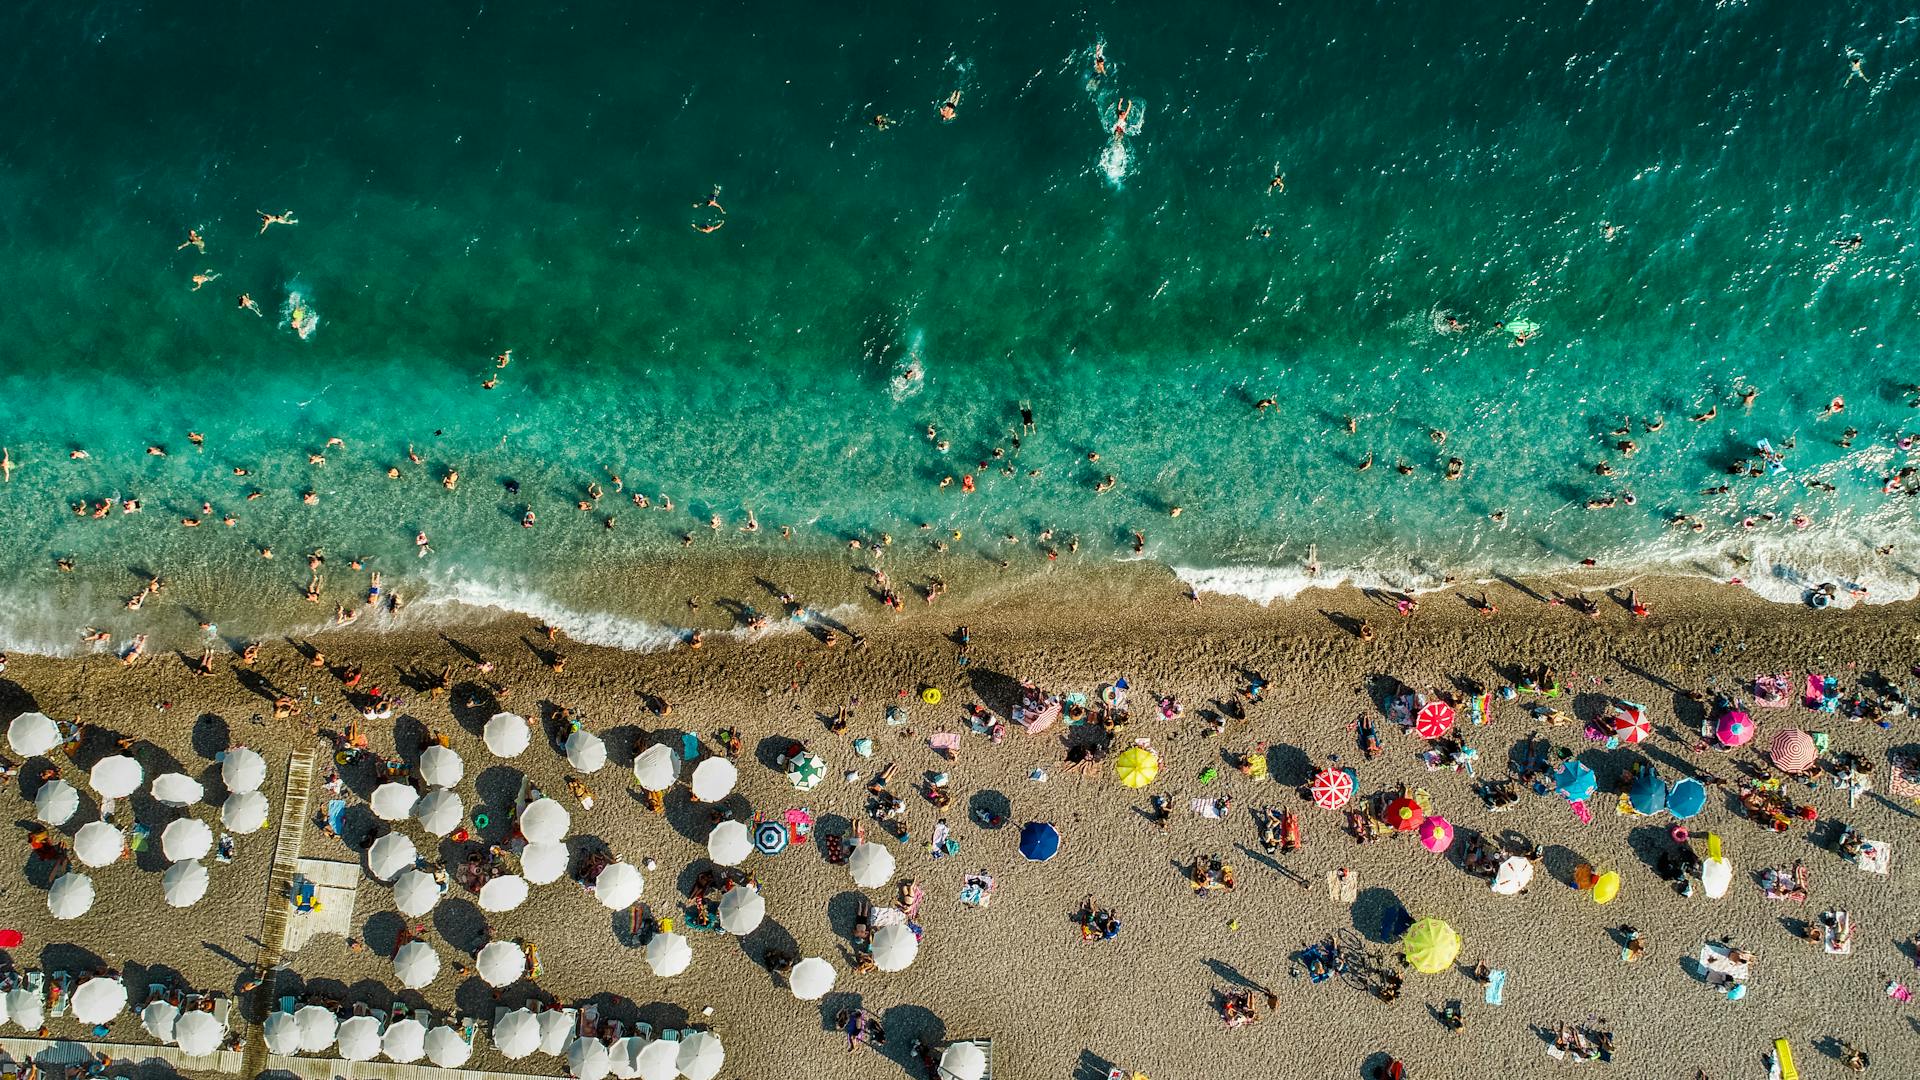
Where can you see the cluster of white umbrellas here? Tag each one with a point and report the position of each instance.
(699, 1056)
(102, 1000)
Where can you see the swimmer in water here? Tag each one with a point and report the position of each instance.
(1279, 181)
(491, 382)
(1834, 408)
(203, 278)
(1026, 417)
(194, 241)
(711, 227)
(6, 465)
(1656, 424)
(1608, 230)
(1706, 416)
(1120, 118)
(1854, 70)
(712, 201)
(881, 121)
(950, 107)
(284, 217)
(503, 359)
(1099, 58)
(1366, 462)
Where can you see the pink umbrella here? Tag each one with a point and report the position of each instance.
(1435, 834)
(1736, 728)
(1793, 750)
(1434, 721)
(1630, 722)
(1331, 789)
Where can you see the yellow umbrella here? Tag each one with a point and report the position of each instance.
(1137, 767)
(1606, 887)
(1430, 946)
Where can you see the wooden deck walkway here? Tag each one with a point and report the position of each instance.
(226, 1061)
(273, 924)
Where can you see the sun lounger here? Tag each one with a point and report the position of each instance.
(59, 988)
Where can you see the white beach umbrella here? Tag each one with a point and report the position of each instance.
(507, 735)
(186, 839)
(115, 777)
(894, 947)
(71, 896)
(504, 893)
(197, 1033)
(501, 963)
(963, 1061)
(729, 843)
(587, 1059)
(318, 1028)
(543, 864)
(658, 1060)
(99, 844)
(713, 779)
(56, 802)
(701, 1056)
(656, 768)
(177, 790)
(668, 954)
(184, 884)
(586, 752)
(158, 1018)
(405, 1040)
(244, 813)
(447, 1048)
(871, 865)
(441, 767)
(359, 1038)
(618, 885)
(415, 892)
(26, 1009)
(282, 1032)
(393, 801)
(545, 822)
(1514, 874)
(242, 770)
(389, 855)
(32, 734)
(98, 1001)
(439, 811)
(622, 1055)
(556, 1031)
(416, 965)
(811, 978)
(742, 909)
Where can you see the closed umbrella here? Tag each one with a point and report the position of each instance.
(99, 844)
(32, 734)
(441, 767)
(730, 843)
(184, 884)
(506, 735)
(656, 768)
(587, 1059)
(586, 752)
(389, 855)
(618, 885)
(501, 963)
(805, 770)
(197, 1033)
(811, 978)
(713, 779)
(177, 790)
(1734, 728)
(1436, 833)
(416, 965)
(545, 822)
(668, 954)
(439, 812)
(741, 910)
(1514, 875)
(242, 770)
(158, 1017)
(447, 1048)
(1793, 751)
(26, 1009)
(1575, 781)
(517, 1034)
(556, 1031)
(1430, 946)
(1404, 814)
(415, 892)
(894, 947)
(405, 1040)
(1136, 767)
(115, 777)
(185, 840)
(701, 1056)
(1434, 720)
(359, 1038)
(623, 1054)
(1630, 723)
(244, 813)
(98, 1000)
(70, 896)
(1039, 841)
(56, 802)
(658, 1060)
(543, 864)
(318, 1028)
(871, 865)
(503, 893)
(393, 801)
(1686, 798)
(963, 1061)
(282, 1033)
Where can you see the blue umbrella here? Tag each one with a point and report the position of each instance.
(1575, 781)
(1647, 793)
(1039, 841)
(1688, 798)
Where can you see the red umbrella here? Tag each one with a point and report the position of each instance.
(1434, 721)
(1630, 722)
(1331, 788)
(1404, 814)
(10, 939)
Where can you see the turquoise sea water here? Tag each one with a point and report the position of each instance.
(474, 178)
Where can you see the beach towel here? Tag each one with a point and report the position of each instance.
(1496, 987)
(945, 743)
(689, 746)
(336, 816)
(1875, 857)
(1208, 808)
(1343, 886)
(1580, 811)
(1771, 691)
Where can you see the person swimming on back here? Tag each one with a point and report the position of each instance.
(284, 217)
(194, 240)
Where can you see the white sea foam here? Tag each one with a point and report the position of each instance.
(451, 598)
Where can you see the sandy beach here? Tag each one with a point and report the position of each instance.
(1018, 971)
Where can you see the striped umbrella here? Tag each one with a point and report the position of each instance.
(1332, 788)
(1793, 750)
(1630, 722)
(1434, 721)
(770, 838)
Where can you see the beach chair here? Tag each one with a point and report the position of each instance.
(59, 987)
(643, 1030)
(304, 897)
(289, 1004)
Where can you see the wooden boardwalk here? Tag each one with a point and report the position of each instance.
(307, 1068)
(273, 924)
